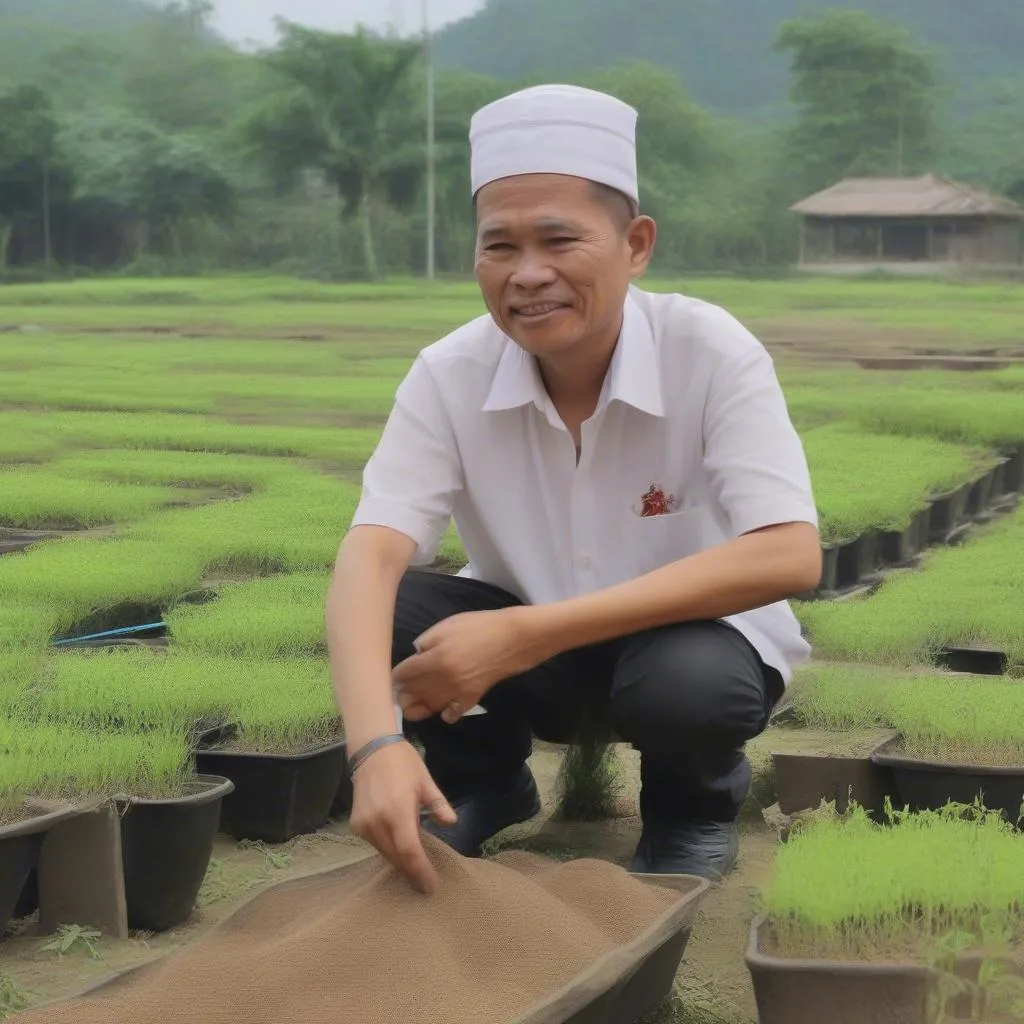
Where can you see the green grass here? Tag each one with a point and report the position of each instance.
(57, 762)
(277, 703)
(53, 498)
(968, 595)
(851, 889)
(942, 716)
(866, 481)
(266, 618)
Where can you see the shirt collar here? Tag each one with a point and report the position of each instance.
(633, 377)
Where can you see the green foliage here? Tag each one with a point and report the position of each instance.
(70, 937)
(967, 595)
(12, 996)
(850, 889)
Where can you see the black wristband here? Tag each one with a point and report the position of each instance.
(371, 748)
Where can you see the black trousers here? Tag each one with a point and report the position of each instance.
(687, 696)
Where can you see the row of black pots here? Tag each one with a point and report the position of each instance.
(803, 780)
(166, 846)
(848, 564)
(277, 797)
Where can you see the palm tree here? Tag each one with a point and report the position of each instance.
(343, 110)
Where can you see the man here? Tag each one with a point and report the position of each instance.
(634, 502)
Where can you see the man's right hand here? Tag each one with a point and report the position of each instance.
(390, 788)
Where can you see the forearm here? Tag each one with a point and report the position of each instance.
(359, 619)
(752, 571)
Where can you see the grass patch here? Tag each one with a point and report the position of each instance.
(277, 704)
(267, 618)
(56, 762)
(50, 499)
(872, 481)
(850, 889)
(968, 595)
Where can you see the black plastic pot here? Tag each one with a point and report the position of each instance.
(978, 661)
(342, 805)
(979, 498)
(857, 559)
(829, 570)
(948, 512)
(19, 853)
(1013, 472)
(802, 781)
(277, 796)
(930, 785)
(166, 847)
(901, 546)
(791, 991)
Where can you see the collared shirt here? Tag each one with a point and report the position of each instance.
(691, 423)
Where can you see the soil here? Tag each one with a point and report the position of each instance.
(713, 987)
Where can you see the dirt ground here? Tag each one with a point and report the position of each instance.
(713, 985)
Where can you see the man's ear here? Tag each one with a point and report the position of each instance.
(642, 236)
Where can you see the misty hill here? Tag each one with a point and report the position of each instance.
(721, 49)
(30, 30)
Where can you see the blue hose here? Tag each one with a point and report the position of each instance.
(109, 634)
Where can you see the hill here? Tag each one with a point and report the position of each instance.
(31, 30)
(721, 49)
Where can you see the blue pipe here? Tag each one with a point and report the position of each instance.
(110, 633)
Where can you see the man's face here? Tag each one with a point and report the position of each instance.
(554, 260)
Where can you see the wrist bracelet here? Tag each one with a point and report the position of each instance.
(371, 748)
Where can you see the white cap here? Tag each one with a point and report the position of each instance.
(556, 129)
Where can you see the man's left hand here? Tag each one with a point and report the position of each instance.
(460, 659)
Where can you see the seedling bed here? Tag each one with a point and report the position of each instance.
(276, 796)
(929, 785)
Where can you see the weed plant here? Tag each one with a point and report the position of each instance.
(965, 596)
(847, 888)
(266, 618)
(49, 498)
(868, 481)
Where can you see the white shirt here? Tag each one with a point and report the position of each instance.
(691, 405)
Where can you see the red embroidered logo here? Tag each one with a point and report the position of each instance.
(656, 503)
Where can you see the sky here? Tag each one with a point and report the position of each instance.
(253, 20)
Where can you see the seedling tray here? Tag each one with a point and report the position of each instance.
(857, 559)
(978, 661)
(277, 796)
(619, 988)
(948, 512)
(901, 546)
(930, 785)
(819, 991)
(166, 847)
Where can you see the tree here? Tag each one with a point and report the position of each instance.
(866, 98)
(28, 163)
(160, 180)
(343, 111)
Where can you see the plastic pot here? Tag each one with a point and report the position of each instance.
(930, 785)
(166, 846)
(979, 498)
(20, 844)
(802, 781)
(277, 796)
(948, 513)
(900, 546)
(792, 991)
(857, 559)
(342, 805)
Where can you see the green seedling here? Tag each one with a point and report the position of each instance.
(277, 859)
(71, 937)
(12, 997)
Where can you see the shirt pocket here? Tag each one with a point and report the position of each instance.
(656, 541)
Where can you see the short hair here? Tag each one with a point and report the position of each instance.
(623, 209)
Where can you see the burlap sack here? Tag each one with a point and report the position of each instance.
(514, 939)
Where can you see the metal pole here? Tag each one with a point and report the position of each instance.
(431, 156)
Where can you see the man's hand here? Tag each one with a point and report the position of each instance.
(461, 658)
(390, 788)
